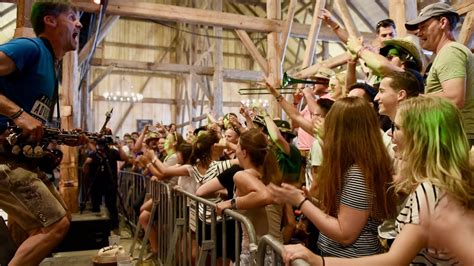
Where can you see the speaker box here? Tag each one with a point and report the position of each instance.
(87, 231)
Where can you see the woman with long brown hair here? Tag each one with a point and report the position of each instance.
(353, 191)
(251, 195)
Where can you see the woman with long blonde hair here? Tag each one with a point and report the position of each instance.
(436, 225)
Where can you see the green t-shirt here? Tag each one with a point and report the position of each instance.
(290, 164)
(455, 60)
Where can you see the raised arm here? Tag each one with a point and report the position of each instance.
(327, 17)
(378, 63)
(291, 111)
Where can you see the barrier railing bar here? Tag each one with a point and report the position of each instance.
(268, 240)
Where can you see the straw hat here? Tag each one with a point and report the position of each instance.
(405, 45)
(151, 135)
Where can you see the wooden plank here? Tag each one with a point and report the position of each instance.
(23, 23)
(346, 17)
(252, 49)
(330, 63)
(105, 29)
(313, 35)
(465, 7)
(68, 166)
(285, 34)
(465, 35)
(218, 66)
(162, 12)
(400, 12)
(101, 76)
(229, 74)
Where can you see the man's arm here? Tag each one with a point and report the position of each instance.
(453, 90)
(31, 127)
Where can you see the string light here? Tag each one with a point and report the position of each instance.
(124, 93)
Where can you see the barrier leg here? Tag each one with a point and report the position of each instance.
(147, 233)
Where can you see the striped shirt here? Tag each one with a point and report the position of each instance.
(198, 179)
(354, 194)
(426, 194)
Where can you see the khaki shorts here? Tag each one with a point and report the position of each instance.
(28, 196)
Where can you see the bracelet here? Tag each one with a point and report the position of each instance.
(279, 98)
(17, 114)
(335, 27)
(301, 203)
(324, 262)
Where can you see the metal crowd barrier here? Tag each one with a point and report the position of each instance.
(177, 237)
(131, 187)
(269, 242)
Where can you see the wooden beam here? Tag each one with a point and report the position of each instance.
(465, 7)
(346, 17)
(229, 74)
(252, 49)
(23, 23)
(130, 107)
(162, 12)
(330, 63)
(400, 12)
(7, 10)
(101, 76)
(218, 66)
(101, 98)
(105, 29)
(313, 35)
(285, 35)
(465, 35)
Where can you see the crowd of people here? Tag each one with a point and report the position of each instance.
(369, 173)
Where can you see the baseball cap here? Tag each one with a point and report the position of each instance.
(428, 12)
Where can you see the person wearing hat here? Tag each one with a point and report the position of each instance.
(396, 55)
(288, 155)
(452, 73)
(320, 90)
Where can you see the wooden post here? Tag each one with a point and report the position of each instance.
(218, 66)
(69, 167)
(465, 35)
(401, 11)
(347, 18)
(313, 35)
(285, 33)
(23, 23)
(274, 64)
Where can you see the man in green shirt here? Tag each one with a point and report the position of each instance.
(452, 73)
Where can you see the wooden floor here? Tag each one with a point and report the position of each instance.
(84, 257)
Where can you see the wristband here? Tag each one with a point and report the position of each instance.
(301, 203)
(233, 204)
(335, 27)
(17, 114)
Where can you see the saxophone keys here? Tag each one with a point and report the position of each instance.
(28, 150)
(38, 151)
(16, 149)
